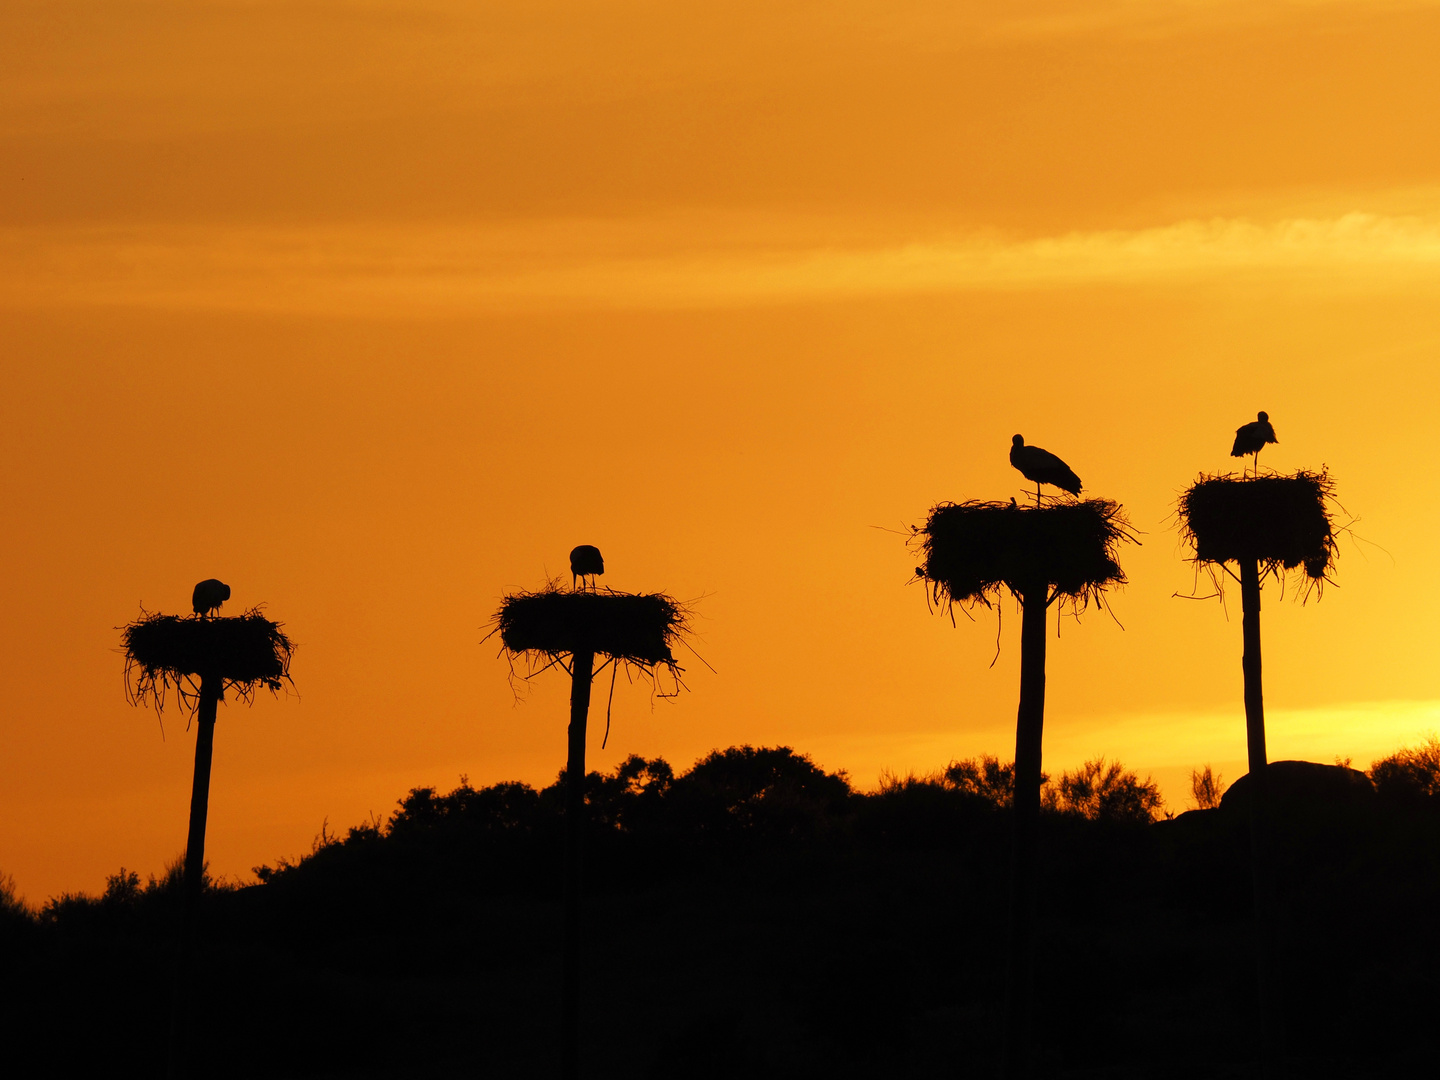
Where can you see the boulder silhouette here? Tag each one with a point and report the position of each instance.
(1300, 788)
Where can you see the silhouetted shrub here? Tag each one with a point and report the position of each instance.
(893, 784)
(122, 890)
(770, 792)
(125, 902)
(750, 771)
(641, 818)
(1098, 791)
(12, 904)
(918, 812)
(1206, 788)
(631, 798)
(940, 807)
(1410, 775)
(501, 808)
(986, 778)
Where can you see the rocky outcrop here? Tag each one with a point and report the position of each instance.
(1303, 788)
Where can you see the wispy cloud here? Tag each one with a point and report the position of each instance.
(412, 270)
(147, 68)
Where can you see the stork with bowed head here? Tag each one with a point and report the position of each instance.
(1251, 438)
(585, 561)
(209, 595)
(1042, 467)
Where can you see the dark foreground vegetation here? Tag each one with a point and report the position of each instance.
(757, 917)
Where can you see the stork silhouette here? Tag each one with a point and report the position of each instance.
(586, 561)
(1042, 467)
(1251, 438)
(209, 595)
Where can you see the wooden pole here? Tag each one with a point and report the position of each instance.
(211, 690)
(1029, 727)
(582, 670)
(1262, 878)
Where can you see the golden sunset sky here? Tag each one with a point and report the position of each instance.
(375, 309)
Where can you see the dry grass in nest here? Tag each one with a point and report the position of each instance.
(973, 548)
(1281, 522)
(163, 651)
(640, 628)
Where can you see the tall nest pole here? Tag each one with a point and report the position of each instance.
(638, 631)
(975, 552)
(199, 658)
(1268, 526)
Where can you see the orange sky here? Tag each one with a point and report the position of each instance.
(375, 309)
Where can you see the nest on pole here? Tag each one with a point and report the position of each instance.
(164, 651)
(1281, 522)
(971, 549)
(635, 628)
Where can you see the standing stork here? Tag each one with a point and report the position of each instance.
(586, 561)
(209, 595)
(1251, 438)
(1042, 467)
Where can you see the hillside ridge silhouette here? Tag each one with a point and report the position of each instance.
(759, 915)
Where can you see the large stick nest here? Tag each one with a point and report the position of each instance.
(640, 628)
(1281, 522)
(243, 651)
(973, 548)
